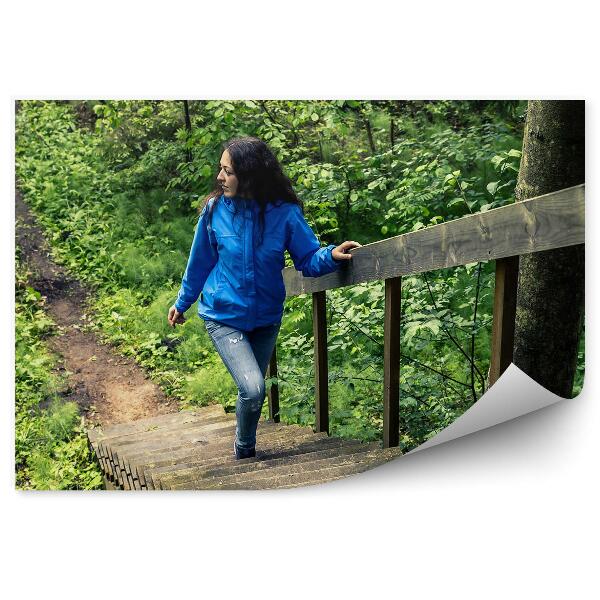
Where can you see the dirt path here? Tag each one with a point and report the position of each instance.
(108, 387)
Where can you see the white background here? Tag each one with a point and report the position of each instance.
(510, 512)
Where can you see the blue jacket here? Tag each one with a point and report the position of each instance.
(242, 285)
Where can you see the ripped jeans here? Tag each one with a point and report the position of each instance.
(246, 355)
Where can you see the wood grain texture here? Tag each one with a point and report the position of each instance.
(503, 325)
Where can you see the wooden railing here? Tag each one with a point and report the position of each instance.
(550, 221)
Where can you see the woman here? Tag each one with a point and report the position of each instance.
(252, 216)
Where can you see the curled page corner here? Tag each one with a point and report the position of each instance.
(513, 395)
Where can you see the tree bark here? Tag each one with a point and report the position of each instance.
(550, 296)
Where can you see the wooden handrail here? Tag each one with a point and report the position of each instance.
(546, 222)
(543, 223)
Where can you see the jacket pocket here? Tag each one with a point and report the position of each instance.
(230, 250)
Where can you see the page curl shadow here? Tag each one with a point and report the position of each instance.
(514, 395)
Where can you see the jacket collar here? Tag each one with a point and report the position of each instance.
(244, 203)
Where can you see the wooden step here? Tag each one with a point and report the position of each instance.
(97, 435)
(275, 446)
(200, 437)
(288, 475)
(165, 430)
(192, 449)
(229, 471)
(110, 449)
(115, 456)
(160, 420)
(317, 451)
(280, 437)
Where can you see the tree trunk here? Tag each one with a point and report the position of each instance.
(370, 134)
(188, 126)
(550, 296)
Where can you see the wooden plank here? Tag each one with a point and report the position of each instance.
(273, 390)
(124, 479)
(126, 472)
(130, 481)
(503, 326)
(93, 446)
(391, 363)
(550, 221)
(104, 462)
(320, 351)
(114, 465)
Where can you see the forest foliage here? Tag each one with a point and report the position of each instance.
(118, 184)
(51, 448)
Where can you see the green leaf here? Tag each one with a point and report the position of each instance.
(492, 187)
(433, 326)
(412, 329)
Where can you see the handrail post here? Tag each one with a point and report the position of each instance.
(320, 350)
(503, 324)
(391, 363)
(273, 391)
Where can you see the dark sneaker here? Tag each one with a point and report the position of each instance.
(243, 452)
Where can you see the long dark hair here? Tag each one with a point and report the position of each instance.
(259, 174)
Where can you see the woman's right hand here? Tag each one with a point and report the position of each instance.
(175, 317)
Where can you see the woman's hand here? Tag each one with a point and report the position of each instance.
(175, 317)
(340, 253)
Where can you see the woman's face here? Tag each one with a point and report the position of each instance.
(226, 176)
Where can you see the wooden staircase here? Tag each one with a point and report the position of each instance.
(193, 450)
